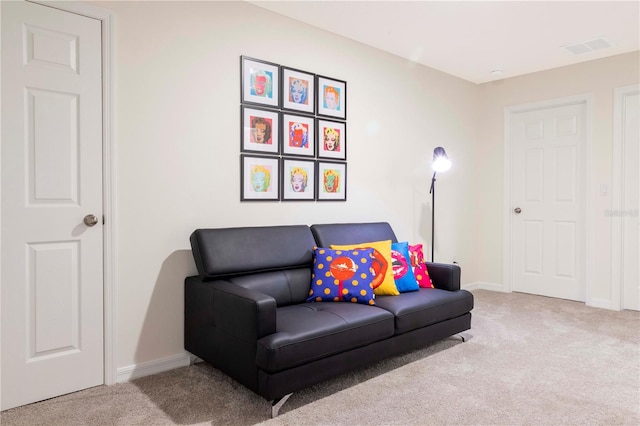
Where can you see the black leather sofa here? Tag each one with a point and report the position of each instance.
(246, 312)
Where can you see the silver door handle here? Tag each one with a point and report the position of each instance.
(517, 210)
(90, 220)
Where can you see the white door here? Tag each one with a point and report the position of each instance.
(629, 215)
(51, 166)
(547, 197)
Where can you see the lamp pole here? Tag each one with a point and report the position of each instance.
(441, 163)
(432, 191)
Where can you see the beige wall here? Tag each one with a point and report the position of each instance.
(598, 78)
(177, 139)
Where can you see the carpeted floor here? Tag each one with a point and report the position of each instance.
(530, 361)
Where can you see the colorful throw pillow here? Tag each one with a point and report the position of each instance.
(383, 283)
(419, 266)
(402, 270)
(342, 276)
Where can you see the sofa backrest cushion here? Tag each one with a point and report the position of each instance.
(352, 233)
(227, 252)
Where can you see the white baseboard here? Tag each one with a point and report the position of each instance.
(600, 303)
(480, 285)
(148, 368)
(593, 302)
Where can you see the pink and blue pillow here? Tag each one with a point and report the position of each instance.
(402, 270)
(419, 266)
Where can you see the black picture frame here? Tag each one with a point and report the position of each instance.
(298, 135)
(259, 178)
(331, 139)
(259, 82)
(259, 130)
(331, 97)
(298, 90)
(331, 181)
(298, 179)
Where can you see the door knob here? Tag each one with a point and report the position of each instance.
(517, 210)
(90, 220)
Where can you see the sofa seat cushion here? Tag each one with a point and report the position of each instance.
(425, 307)
(311, 331)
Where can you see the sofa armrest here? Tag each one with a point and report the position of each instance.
(444, 276)
(246, 314)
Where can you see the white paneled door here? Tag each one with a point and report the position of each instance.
(547, 195)
(52, 246)
(629, 214)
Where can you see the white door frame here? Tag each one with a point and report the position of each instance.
(617, 194)
(507, 206)
(107, 19)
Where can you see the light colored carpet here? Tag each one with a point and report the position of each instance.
(530, 361)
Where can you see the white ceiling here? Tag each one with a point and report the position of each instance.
(469, 39)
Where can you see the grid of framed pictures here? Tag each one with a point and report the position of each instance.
(293, 134)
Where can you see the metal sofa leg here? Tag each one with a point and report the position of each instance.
(464, 336)
(276, 404)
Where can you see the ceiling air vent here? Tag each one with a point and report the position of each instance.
(588, 46)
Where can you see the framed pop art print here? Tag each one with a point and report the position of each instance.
(259, 178)
(332, 97)
(332, 139)
(298, 90)
(298, 135)
(331, 181)
(298, 179)
(259, 130)
(260, 82)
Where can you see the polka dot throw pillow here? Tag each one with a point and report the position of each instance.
(342, 276)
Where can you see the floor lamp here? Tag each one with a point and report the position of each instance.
(441, 163)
